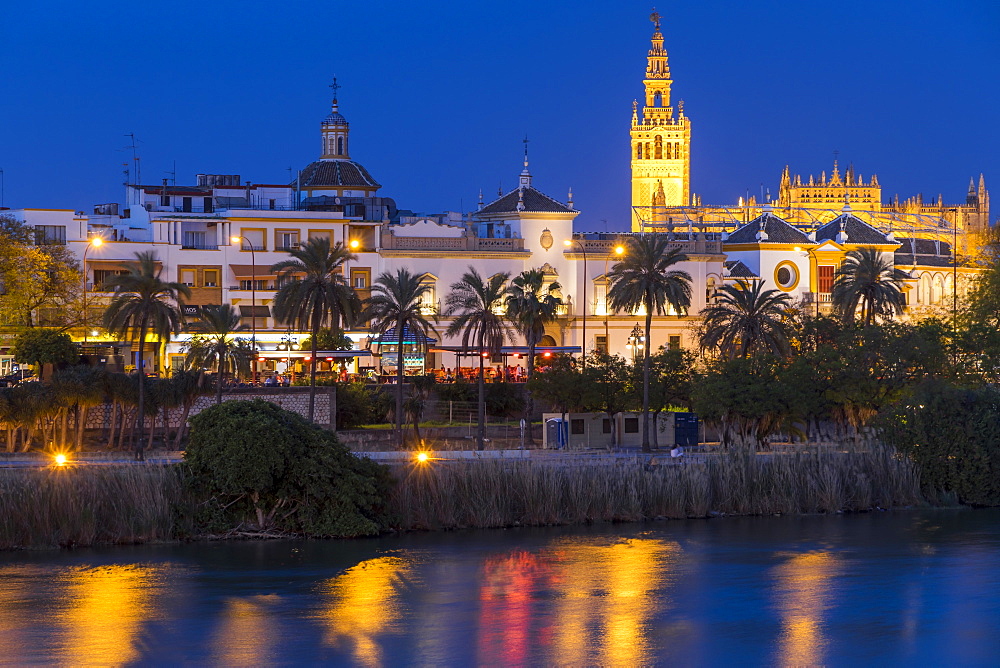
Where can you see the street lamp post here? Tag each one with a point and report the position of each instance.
(583, 344)
(619, 251)
(253, 302)
(636, 341)
(95, 242)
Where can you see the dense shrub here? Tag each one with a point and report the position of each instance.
(255, 466)
(362, 403)
(953, 434)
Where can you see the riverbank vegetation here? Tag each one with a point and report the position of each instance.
(497, 493)
(335, 494)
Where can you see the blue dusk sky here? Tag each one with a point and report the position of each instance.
(440, 94)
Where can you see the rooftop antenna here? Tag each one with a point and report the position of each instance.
(172, 175)
(135, 157)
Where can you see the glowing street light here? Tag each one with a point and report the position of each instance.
(253, 299)
(94, 242)
(618, 251)
(583, 346)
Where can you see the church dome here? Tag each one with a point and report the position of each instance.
(336, 174)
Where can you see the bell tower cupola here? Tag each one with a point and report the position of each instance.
(660, 144)
(334, 131)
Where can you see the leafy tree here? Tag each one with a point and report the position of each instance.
(396, 304)
(143, 303)
(214, 344)
(672, 372)
(742, 396)
(44, 346)
(475, 304)
(330, 339)
(416, 402)
(746, 320)
(561, 384)
(953, 435)
(188, 385)
(644, 279)
(315, 294)
(607, 377)
(868, 280)
(41, 281)
(256, 467)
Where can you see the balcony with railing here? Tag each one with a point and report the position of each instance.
(605, 246)
(391, 242)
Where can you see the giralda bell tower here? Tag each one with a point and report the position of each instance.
(661, 143)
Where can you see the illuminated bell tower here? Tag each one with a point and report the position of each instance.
(334, 131)
(661, 142)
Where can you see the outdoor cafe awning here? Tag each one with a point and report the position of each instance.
(409, 336)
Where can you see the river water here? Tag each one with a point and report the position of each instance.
(914, 587)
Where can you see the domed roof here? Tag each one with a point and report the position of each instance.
(335, 118)
(336, 173)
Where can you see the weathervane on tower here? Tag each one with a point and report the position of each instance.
(335, 86)
(655, 18)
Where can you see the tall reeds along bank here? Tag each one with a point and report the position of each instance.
(87, 506)
(495, 493)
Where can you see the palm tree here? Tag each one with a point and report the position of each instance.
(396, 305)
(214, 343)
(315, 294)
(868, 280)
(531, 306)
(143, 303)
(476, 304)
(644, 279)
(746, 320)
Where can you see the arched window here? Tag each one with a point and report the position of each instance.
(658, 147)
(638, 151)
(647, 150)
(669, 155)
(937, 291)
(340, 146)
(657, 99)
(924, 289)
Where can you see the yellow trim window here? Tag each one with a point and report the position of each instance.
(786, 276)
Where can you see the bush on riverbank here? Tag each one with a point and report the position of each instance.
(253, 466)
(72, 506)
(497, 493)
(953, 435)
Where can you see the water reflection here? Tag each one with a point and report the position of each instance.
(508, 607)
(105, 610)
(248, 632)
(361, 604)
(803, 592)
(606, 597)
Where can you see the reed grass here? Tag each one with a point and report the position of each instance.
(87, 506)
(493, 493)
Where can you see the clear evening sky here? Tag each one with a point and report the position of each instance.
(440, 94)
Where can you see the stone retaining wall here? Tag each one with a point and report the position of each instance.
(295, 399)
